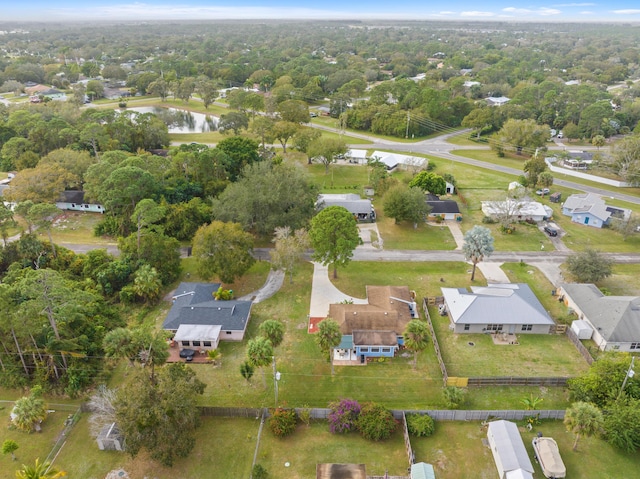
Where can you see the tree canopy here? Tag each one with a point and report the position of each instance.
(334, 237)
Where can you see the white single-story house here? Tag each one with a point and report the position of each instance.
(518, 210)
(197, 320)
(497, 100)
(615, 320)
(360, 208)
(73, 200)
(357, 156)
(591, 210)
(375, 328)
(509, 453)
(396, 160)
(508, 308)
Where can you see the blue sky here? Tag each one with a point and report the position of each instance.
(490, 10)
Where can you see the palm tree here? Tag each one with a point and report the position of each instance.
(29, 411)
(260, 354)
(416, 338)
(328, 337)
(273, 330)
(213, 355)
(583, 419)
(246, 370)
(532, 402)
(41, 470)
(9, 447)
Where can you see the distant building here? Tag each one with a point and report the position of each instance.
(497, 101)
(360, 208)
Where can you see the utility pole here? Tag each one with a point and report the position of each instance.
(406, 133)
(630, 373)
(276, 378)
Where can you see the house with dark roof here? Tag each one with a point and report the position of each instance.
(506, 308)
(197, 320)
(591, 210)
(445, 209)
(73, 200)
(360, 208)
(615, 320)
(375, 328)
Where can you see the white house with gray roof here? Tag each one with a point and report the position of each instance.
(360, 208)
(509, 308)
(509, 453)
(591, 210)
(197, 320)
(615, 319)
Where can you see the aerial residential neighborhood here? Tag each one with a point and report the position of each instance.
(268, 247)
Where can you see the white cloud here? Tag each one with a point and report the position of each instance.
(476, 14)
(628, 11)
(446, 13)
(575, 5)
(586, 12)
(543, 11)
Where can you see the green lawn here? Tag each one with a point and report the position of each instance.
(309, 446)
(456, 452)
(34, 445)
(209, 457)
(535, 355)
(404, 236)
(625, 280)
(75, 227)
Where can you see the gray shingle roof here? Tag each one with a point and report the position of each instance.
(587, 203)
(443, 206)
(350, 201)
(194, 304)
(617, 318)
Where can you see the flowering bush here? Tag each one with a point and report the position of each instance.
(343, 415)
(376, 422)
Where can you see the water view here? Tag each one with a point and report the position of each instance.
(181, 121)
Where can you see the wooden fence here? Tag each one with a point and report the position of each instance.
(434, 339)
(573, 337)
(516, 381)
(231, 411)
(407, 440)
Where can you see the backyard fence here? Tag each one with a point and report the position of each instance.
(434, 339)
(516, 381)
(71, 421)
(407, 440)
(250, 412)
(399, 414)
(573, 337)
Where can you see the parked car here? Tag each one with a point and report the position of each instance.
(543, 191)
(550, 231)
(561, 135)
(313, 114)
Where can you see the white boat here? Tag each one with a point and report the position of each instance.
(548, 455)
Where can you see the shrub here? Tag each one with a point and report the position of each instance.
(453, 397)
(343, 415)
(376, 422)
(420, 425)
(282, 422)
(259, 472)
(305, 415)
(223, 294)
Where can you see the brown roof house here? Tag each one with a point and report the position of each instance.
(374, 329)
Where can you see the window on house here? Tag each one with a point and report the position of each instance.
(196, 343)
(185, 343)
(206, 344)
(527, 327)
(375, 350)
(635, 346)
(494, 327)
(364, 350)
(386, 350)
(228, 332)
(467, 327)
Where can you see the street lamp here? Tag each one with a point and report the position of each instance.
(630, 374)
(276, 378)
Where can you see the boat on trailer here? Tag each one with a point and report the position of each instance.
(548, 455)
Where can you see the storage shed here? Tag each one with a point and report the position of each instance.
(422, 470)
(582, 329)
(509, 453)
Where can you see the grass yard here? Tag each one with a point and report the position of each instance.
(540, 285)
(312, 445)
(404, 236)
(34, 445)
(625, 280)
(75, 227)
(208, 458)
(456, 452)
(535, 355)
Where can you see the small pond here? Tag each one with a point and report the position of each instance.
(181, 121)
